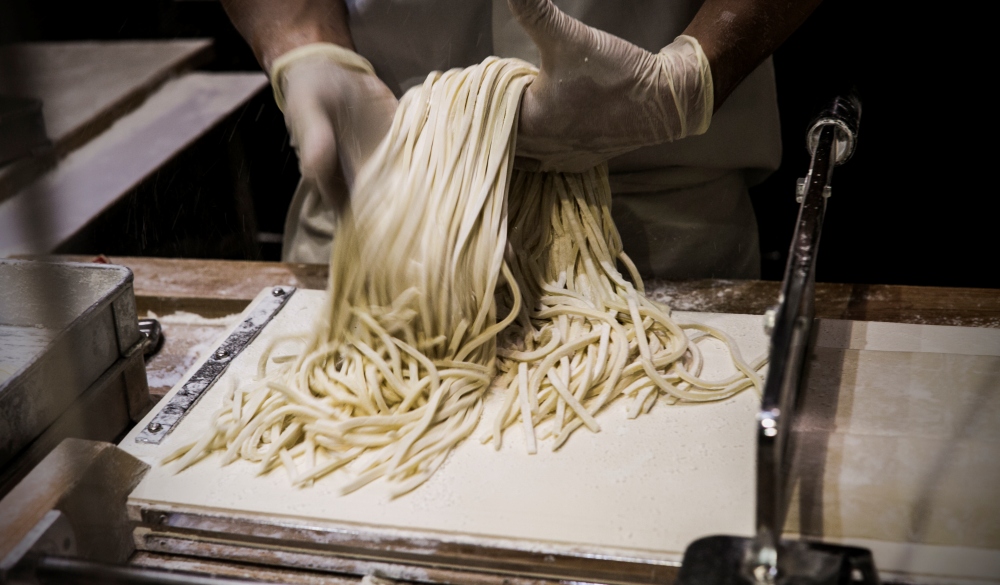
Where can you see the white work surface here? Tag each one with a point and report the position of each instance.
(889, 401)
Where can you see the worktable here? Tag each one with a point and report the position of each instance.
(194, 297)
(198, 300)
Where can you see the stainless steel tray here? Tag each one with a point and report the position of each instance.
(62, 327)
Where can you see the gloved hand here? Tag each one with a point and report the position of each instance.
(336, 110)
(598, 96)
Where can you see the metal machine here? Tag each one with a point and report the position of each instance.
(71, 359)
(766, 559)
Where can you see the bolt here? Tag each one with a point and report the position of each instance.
(278, 292)
(768, 421)
(154, 427)
(222, 353)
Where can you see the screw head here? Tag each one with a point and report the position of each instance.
(222, 353)
(154, 427)
(278, 291)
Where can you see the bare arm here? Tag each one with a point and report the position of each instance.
(274, 27)
(336, 114)
(737, 35)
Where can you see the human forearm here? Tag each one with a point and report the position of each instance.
(737, 35)
(274, 27)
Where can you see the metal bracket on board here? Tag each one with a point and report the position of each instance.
(210, 371)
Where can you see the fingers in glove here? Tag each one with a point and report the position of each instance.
(534, 15)
(363, 119)
(316, 145)
(337, 115)
(549, 28)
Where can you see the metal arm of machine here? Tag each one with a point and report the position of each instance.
(831, 140)
(766, 559)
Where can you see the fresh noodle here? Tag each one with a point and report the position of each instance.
(585, 335)
(435, 293)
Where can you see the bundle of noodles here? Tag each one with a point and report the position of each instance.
(585, 335)
(395, 374)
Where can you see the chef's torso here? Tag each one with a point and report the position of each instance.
(407, 39)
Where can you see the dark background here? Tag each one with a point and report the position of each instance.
(911, 207)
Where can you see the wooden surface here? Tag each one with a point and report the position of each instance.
(85, 87)
(193, 298)
(91, 179)
(202, 285)
(919, 305)
(213, 288)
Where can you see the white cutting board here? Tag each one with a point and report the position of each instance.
(654, 484)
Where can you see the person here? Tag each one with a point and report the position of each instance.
(678, 96)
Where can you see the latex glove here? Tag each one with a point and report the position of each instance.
(598, 96)
(336, 110)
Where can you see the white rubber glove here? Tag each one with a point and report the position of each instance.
(335, 109)
(598, 96)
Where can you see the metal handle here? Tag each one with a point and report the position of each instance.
(831, 139)
(153, 333)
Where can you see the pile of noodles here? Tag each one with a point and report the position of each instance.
(451, 273)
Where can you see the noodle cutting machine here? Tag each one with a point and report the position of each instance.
(619, 506)
(765, 558)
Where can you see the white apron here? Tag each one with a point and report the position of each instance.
(682, 208)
